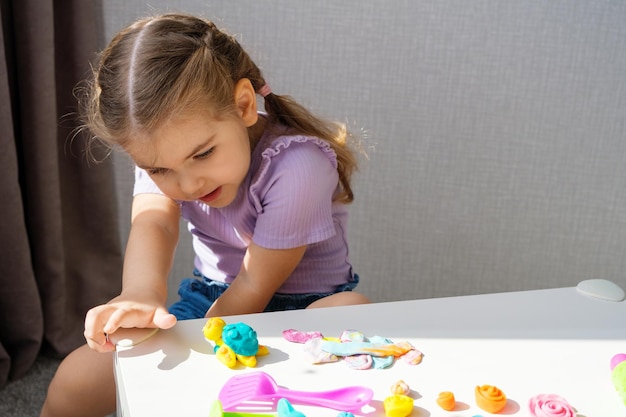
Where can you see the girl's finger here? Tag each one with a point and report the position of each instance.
(94, 325)
(163, 319)
(119, 318)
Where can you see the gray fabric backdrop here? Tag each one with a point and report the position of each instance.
(495, 131)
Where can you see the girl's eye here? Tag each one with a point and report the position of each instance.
(157, 171)
(204, 154)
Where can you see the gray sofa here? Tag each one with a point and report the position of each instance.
(495, 132)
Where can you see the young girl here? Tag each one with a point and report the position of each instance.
(264, 194)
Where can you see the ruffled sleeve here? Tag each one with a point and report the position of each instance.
(292, 192)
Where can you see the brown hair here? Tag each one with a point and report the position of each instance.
(160, 66)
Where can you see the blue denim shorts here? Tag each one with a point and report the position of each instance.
(197, 295)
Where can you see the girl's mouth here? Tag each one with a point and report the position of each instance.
(212, 196)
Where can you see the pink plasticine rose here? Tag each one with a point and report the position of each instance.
(550, 405)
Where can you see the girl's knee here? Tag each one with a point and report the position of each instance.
(82, 385)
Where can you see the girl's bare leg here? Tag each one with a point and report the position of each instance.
(83, 386)
(344, 298)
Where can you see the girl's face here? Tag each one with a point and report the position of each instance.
(196, 157)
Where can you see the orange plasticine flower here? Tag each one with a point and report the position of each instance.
(446, 400)
(490, 398)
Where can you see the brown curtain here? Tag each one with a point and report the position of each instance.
(59, 239)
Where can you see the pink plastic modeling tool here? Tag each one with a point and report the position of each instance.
(253, 388)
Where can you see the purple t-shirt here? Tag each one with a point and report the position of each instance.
(284, 202)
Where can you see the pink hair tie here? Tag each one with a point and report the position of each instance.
(265, 90)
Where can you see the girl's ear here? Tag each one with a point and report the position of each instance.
(245, 101)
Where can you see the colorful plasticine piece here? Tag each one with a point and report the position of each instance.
(446, 400)
(352, 336)
(400, 388)
(413, 357)
(241, 338)
(550, 405)
(382, 362)
(618, 374)
(490, 398)
(212, 329)
(296, 336)
(359, 362)
(313, 350)
(354, 348)
(285, 409)
(234, 343)
(398, 406)
(374, 349)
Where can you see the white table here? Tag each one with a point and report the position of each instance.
(554, 341)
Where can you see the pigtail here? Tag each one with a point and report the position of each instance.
(286, 111)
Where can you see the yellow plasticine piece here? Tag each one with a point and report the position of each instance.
(226, 355)
(398, 405)
(490, 398)
(249, 361)
(263, 350)
(446, 400)
(212, 329)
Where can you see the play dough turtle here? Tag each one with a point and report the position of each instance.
(234, 343)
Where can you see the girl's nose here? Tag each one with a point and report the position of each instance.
(189, 184)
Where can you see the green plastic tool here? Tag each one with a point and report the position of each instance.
(217, 411)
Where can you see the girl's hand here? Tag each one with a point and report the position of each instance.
(123, 312)
(147, 261)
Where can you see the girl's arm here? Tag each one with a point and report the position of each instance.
(151, 245)
(263, 271)
(147, 262)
